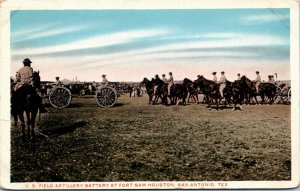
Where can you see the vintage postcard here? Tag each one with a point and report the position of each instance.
(133, 94)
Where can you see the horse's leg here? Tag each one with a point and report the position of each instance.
(33, 117)
(21, 117)
(28, 122)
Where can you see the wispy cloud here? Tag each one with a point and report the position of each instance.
(44, 32)
(95, 42)
(265, 18)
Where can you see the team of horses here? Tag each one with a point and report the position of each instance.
(26, 100)
(236, 93)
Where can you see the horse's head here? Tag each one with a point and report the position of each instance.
(36, 79)
(199, 82)
(145, 81)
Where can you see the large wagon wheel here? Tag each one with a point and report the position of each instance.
(60, 97)
(106, 97)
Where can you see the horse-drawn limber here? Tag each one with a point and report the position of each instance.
(61, 97)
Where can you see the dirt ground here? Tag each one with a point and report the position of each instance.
(133, 141)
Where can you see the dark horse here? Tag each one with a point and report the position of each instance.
(192, 90)
(237, 94)
(265, 90)
(26, 99)
(150, 90)
(209, 89)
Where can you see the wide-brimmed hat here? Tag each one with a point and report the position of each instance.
(103, 75)
(214, 72)
(27, 60)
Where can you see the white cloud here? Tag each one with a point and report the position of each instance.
(265, 18)
(44, 32)
(94, 42)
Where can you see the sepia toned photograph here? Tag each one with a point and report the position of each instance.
(150, 98)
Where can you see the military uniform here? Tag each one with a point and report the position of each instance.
(24, 77)
(164, 79)
(170, 83)
(156, 83)
(215, 79)
(258, 82)
(58, 83)
(104, 82)
(222, 83)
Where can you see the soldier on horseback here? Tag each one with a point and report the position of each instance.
(170, 82)
(271, 79)
(222, 83)
(215, 79)
(24, 78)
(257, 81)
(164, 79)
(238, 76)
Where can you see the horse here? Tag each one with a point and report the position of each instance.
(237, 94)
(192, 90)
(210, 89)
(150, 88)
(268, 90)
(249, 89)
(26, 99)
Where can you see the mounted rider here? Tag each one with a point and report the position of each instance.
(164, 79)
(257, 81)
(271, 79)
(157, 81)
(215, 79)
(238, 76)
(24, 78)
(170, 82)
(222, 83)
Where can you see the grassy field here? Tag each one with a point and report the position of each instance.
(133, 141)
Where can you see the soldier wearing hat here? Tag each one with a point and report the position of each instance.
(215, 79)
(104, 82)
(170, 82)
(222, 83)
(238, 76)
(57, 82)
(24, 77)
(271, 79)
(257, 81)
(157, 81)
(164, 79)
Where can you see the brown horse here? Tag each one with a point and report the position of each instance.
(26, 99)
(249, 89)
(192, 90)
(209, 89)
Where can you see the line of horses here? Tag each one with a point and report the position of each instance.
(236, 93)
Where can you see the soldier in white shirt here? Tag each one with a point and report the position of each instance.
(222, 83)
(257, 81)
(164, 79)
(24, 75)
(57, 82)
(271, 79)
(170, 82)
(104, 82)
(238, 76)
(215, 79)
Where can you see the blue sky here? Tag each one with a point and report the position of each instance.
(128, 45)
